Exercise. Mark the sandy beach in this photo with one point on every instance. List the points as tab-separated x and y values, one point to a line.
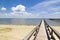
57	28
14	32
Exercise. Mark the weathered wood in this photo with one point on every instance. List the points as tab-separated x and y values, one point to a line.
34	31
51	31
45	31
42	32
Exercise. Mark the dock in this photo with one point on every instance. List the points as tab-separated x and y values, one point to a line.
43	31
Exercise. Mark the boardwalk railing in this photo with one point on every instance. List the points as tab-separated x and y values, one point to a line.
51	32
34	33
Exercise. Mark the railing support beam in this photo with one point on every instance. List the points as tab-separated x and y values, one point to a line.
51	31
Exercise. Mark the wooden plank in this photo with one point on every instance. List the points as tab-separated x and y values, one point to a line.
42	32
35	30
53	32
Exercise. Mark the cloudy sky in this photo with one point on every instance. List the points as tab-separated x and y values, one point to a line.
29	8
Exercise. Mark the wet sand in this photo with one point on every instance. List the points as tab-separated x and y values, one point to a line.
14	32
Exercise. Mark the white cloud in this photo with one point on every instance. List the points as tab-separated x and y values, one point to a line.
18	8
41	10
47	9
3	9
45	4
18	12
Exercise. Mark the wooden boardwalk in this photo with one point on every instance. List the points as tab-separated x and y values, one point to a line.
42	32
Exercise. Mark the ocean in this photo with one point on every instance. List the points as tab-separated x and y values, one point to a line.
28	21
54	22
20	21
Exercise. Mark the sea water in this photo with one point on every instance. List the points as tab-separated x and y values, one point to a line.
20	21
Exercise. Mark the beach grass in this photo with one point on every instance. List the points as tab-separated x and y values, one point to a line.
14	32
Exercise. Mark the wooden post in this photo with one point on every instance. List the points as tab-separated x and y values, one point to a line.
36	32
52	37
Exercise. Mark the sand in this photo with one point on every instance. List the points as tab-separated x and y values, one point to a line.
14	32
57	28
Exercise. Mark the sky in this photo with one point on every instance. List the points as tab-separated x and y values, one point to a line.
29	8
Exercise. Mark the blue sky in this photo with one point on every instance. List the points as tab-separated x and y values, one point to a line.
29	8
26	3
